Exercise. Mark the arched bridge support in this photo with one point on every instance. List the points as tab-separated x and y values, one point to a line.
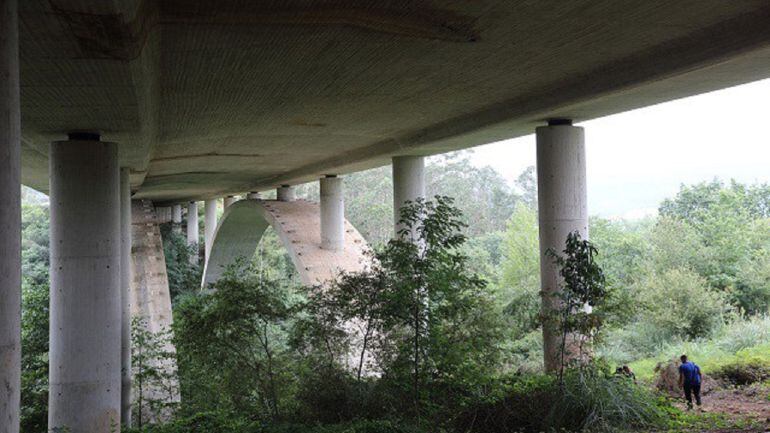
297	224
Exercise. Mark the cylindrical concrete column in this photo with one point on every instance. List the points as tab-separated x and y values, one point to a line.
125	296
85	324
192	229
253	195
230	199
10	219
408	183
286	193
562	209
209	225
176	218
332	214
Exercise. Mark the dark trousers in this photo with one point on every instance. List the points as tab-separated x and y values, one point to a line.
689	390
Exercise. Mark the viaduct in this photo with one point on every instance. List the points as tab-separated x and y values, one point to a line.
176	102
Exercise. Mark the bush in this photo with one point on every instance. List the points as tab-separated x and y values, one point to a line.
590	399
681	303
743	373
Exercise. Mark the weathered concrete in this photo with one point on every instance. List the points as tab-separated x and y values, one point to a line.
296	224
176	218
204	116
192	228
562	209
10	220
332	218
230	199
85	326
209	225
286	193
125	296
408	184
253	196
150	296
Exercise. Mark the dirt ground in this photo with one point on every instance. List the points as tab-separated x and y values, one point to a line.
749	406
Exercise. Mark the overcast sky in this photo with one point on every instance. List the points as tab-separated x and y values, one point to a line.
636	159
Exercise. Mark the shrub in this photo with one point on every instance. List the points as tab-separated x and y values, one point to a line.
589	399
680	302
739	373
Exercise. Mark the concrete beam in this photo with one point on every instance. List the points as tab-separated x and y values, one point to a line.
408	184
125	296
253	196
562	209
85	326
332	214
209	225
10	219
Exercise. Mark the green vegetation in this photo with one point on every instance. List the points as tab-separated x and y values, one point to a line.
447	336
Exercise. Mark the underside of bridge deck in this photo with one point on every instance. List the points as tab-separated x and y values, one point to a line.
214	97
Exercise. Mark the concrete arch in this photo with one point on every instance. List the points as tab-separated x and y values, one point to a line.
298	226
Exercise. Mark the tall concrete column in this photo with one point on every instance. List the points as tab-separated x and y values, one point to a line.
85	306
286	193
562	209
408	183
176	218
209	225
125	296
192	229
332	214
10	219
230	199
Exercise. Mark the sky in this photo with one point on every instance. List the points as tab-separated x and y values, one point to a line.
637	158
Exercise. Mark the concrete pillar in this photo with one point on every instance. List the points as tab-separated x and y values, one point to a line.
192	229
125	296
10	219
286	193
176	218
209	225
562	209
85	326
253	195
408	183
332	214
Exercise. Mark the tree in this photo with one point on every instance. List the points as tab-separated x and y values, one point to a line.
232	345
433	322
581	297
520	288
154	380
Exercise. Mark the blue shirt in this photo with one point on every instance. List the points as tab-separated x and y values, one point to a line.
691	373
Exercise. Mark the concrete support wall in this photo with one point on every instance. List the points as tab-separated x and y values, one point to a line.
10	219
286	193
176	218
408	183
125	287
562	209
332	214
230	199
192	228
151	299
209	225
85	326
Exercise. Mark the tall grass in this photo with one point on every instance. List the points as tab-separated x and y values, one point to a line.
744	341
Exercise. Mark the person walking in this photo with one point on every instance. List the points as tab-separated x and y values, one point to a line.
690	379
